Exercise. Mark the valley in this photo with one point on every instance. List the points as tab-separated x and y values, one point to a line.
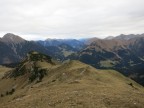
71	53
58	74
123	53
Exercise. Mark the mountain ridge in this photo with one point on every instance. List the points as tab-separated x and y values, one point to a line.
124	55
67	84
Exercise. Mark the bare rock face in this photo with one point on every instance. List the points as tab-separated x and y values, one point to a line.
11	38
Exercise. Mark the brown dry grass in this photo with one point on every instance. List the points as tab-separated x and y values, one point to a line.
76	85
3	69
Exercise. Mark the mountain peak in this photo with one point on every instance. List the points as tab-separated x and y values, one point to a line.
32	66
36	56
109	37
12	38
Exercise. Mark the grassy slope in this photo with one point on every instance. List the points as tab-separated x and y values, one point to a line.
77	85
3	70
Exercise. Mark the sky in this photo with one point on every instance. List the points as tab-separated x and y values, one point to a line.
41	19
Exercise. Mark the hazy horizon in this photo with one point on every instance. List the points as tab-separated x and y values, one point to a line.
39	37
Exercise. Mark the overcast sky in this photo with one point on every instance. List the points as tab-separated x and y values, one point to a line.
41	19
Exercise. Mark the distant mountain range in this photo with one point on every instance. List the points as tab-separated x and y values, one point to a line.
125	37
126	56
13	48
124	53
56	42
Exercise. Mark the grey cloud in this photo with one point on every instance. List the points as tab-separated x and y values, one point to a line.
35	19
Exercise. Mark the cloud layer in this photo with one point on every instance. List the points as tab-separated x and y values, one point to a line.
40	19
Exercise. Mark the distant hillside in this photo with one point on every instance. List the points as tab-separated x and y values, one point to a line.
124	53
125	56
56	42
125	37
62	51
39	81
13	48
88	41
61	48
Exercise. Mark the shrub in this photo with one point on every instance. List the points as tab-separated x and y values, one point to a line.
2	95
7	93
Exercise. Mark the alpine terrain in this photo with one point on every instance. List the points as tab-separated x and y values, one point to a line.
42	82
